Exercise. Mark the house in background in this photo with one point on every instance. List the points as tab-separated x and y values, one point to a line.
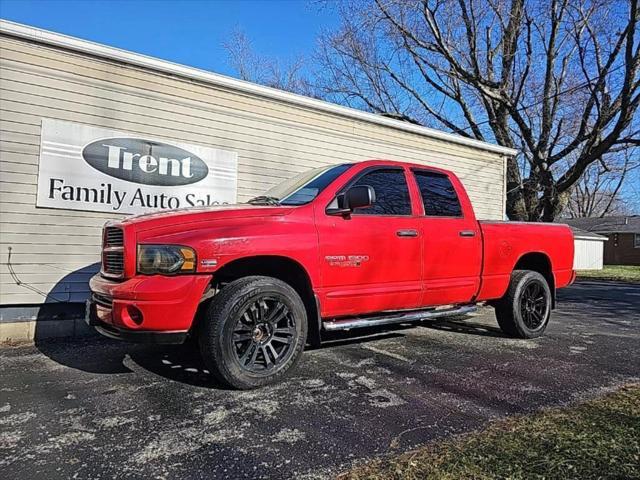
623	233
588	250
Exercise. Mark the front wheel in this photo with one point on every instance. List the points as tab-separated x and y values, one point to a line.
525	309
254	332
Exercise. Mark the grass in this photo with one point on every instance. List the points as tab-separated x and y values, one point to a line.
597	439
624	273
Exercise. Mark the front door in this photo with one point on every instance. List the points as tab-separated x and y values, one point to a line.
371	260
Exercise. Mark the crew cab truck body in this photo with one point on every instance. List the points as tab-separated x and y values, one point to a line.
341	247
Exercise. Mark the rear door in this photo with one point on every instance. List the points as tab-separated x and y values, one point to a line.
371	260
452	246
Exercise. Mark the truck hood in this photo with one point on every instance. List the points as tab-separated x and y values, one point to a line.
190	215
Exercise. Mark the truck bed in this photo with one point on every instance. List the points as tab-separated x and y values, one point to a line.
506	243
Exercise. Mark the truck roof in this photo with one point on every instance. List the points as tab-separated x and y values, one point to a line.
382	162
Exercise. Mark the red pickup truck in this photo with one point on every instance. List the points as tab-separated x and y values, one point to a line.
336	248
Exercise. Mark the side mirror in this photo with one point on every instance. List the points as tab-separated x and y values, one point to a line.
361	196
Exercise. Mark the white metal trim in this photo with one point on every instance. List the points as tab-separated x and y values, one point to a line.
595	239
96	49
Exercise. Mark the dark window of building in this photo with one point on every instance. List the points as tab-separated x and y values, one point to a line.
438	195
636	240
392	193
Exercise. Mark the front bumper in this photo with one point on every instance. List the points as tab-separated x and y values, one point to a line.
135	336
146	309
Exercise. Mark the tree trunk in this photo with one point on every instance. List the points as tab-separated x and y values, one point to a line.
516	208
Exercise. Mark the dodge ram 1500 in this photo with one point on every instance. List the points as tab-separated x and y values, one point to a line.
335	248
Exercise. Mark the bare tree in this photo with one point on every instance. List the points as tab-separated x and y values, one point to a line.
599	193
557	79
264	70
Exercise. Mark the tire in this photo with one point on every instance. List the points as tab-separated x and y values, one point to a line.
525	309
253	332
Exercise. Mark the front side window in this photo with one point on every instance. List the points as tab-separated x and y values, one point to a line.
636	240
438	195
392	193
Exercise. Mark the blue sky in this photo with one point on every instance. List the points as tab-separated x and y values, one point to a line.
192	32
187	32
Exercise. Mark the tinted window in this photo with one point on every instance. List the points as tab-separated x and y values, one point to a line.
392	193
438	195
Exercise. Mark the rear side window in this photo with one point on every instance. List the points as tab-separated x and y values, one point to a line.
438	195
392	193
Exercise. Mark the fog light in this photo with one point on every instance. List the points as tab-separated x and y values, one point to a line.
132	316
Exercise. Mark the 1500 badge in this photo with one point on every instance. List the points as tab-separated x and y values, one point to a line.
346	260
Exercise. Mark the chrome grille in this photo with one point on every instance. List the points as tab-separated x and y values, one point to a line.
113	237
102	300
113	263
113	252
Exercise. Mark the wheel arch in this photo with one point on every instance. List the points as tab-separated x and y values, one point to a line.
541	263
283	268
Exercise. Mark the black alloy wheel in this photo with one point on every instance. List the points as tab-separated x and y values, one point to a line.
254	332
525	309
263	335
533	305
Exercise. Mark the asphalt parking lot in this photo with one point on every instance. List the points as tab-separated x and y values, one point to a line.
100	409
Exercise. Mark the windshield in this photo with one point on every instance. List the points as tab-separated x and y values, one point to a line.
302	188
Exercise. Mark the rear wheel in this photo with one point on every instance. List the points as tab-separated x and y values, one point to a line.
525	309
254	332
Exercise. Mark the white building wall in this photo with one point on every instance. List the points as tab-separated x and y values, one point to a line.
49	255
588	254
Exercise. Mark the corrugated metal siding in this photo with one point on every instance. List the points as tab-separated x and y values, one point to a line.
588	254
52	250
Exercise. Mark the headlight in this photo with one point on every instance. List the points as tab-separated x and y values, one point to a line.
165	259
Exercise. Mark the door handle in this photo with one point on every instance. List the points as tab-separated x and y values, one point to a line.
407	233
467	233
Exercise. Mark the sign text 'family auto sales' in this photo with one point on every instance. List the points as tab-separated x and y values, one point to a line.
96	169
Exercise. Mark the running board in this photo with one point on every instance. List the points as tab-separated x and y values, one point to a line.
409	316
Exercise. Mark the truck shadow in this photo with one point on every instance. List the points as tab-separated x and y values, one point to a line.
179	363
183	363
62	315
59	325
61	312
62	336
94	354
464	327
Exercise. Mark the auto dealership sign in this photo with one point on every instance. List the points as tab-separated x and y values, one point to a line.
90	168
